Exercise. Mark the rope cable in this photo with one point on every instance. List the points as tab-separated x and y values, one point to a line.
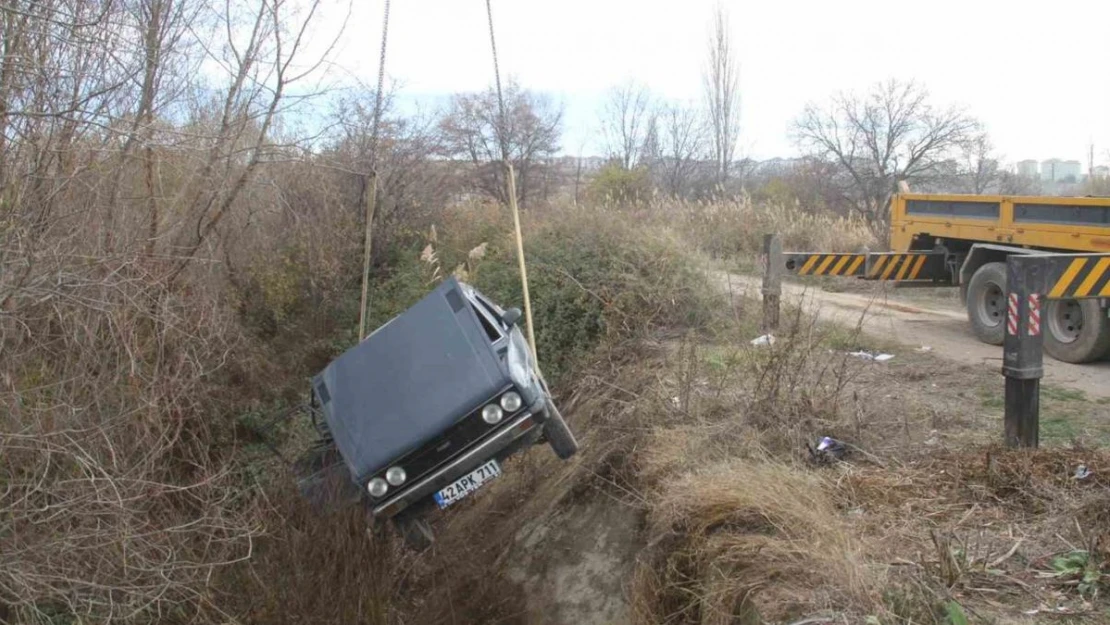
378	93
371	187
502	129
510	180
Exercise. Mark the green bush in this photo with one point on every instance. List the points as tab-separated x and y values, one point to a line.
593	276
614	184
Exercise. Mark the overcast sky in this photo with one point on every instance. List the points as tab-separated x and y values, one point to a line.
1036	73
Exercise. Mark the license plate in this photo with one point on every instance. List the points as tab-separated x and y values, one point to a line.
467	484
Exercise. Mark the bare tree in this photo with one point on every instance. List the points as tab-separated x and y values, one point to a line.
163	26
625	118
981	172
1010	183
64	67
412	184
651	149
722	94
890	135
471	130
261	66
684	138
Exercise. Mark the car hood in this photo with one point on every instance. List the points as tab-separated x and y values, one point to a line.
408	381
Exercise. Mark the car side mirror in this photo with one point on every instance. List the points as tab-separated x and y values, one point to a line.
511	317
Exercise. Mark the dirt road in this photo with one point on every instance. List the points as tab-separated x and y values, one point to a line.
943	328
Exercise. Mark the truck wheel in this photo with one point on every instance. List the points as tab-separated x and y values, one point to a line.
415	531
1075	330
558	434
986	303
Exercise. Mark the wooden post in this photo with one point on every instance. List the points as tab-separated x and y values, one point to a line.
772	281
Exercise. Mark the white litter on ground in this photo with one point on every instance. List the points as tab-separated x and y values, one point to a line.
766	339
870	356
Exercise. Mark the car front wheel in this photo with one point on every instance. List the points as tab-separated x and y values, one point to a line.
415	531
558	435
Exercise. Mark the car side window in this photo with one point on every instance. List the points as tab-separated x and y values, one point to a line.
492	309
487	325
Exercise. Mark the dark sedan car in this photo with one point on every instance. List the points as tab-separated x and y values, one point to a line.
425	409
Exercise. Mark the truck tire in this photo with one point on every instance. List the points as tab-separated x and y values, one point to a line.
1075	330
986	303
558	434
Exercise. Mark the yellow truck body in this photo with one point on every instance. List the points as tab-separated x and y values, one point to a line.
964	241
1076	224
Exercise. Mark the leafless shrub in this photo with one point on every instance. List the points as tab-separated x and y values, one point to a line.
116	505
120	492
800	376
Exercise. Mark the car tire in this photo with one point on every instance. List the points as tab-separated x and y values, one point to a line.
558	435
415	531
986	303
1075	330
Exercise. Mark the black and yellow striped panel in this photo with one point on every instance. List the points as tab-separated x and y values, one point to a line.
905	267
828	264
1087	276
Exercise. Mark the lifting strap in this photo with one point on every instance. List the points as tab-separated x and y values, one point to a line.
510	178
371	190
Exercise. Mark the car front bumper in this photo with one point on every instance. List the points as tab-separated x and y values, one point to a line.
495	446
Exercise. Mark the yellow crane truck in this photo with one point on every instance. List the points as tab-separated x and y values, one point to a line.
964	240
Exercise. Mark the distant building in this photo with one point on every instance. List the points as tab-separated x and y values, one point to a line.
1028	168
1056	170
1073	171
1101	171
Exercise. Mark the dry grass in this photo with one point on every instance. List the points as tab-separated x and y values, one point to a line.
313	568
741	530
749	540
921	524
986	526
735	227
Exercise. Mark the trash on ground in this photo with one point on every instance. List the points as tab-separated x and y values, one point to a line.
866	355
924	348
827	450
1082	472
766	339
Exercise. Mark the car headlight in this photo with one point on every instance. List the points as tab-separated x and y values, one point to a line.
377	487
492	414
395	476
511	401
